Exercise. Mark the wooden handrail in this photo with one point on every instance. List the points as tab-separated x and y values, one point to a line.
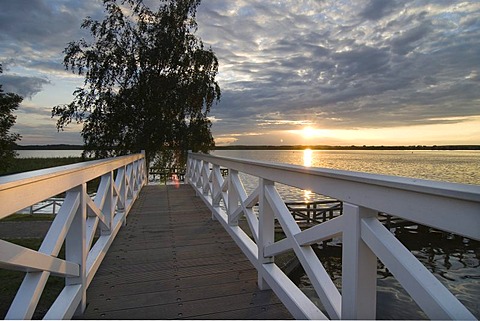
364	238
75	224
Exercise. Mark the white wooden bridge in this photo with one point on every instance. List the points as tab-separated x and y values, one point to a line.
180	255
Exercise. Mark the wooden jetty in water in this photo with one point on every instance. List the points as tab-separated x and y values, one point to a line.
172	261
179	251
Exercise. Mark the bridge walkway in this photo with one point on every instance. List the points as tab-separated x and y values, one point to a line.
172	261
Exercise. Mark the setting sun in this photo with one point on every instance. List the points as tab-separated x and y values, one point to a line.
308	132
311	132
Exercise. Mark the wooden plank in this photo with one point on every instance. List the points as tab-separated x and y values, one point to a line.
189	309
173	261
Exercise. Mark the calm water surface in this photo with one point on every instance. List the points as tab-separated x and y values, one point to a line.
48	153
451	166
454	260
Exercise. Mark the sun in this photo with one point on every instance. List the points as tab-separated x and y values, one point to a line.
308	132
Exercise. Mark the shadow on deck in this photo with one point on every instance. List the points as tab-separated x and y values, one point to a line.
172	261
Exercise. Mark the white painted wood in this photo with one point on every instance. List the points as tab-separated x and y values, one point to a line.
76	246
108	208
120	187
277	248
317	233
129	181
318	276
217	185
359	268
95	212
206	178
28	295
233	197
429	293
112	203
425	202
245	207
21	190
55	237
252	221
64	306
266	232
100	249
16	257
297	303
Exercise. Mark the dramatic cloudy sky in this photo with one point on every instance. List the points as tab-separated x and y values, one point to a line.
291	72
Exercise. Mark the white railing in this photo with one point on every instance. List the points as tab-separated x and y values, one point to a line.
75	224
445	206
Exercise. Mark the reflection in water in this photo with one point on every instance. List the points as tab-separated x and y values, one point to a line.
307	195
453	259
307	157
307	161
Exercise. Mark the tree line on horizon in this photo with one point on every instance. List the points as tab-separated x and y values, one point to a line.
280	147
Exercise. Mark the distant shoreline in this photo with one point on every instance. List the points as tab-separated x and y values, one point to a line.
282	147
49	147
351	147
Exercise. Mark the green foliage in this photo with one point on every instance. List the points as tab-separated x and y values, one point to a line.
34	163
29	218
149	81
11	281
8	104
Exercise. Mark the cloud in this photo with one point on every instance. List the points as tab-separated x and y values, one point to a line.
44	133
336	64
377	9
35	32
284	64
26	87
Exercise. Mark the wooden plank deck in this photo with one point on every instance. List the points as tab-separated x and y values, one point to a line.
172	261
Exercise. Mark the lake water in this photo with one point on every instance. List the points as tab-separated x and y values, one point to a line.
48	153
454	260
451	166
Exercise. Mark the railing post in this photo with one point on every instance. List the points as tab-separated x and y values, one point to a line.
146	168
266	232
76	246
205	178
216	187
120	182
103	200
359	267
189	167
233	198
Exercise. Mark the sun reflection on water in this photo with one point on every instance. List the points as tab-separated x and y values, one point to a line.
307	157
307	195
307	161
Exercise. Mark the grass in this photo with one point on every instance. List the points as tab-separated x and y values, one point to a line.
11	281
29	217
21	165
35	163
